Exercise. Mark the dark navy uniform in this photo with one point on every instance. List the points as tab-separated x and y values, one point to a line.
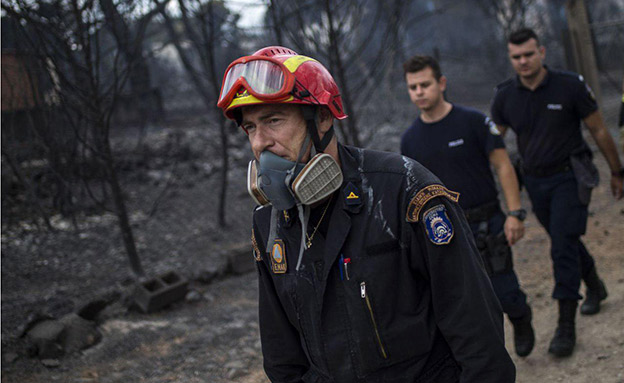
456	149
391	290
547	122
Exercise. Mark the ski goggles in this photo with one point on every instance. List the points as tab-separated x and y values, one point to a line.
265	78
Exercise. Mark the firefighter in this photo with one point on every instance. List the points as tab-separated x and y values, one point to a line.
367	269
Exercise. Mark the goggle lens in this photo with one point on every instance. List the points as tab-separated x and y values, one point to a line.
263	77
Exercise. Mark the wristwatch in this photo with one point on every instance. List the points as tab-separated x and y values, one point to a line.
619	173
520	214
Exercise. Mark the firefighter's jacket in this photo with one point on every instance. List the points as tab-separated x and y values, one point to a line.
413	303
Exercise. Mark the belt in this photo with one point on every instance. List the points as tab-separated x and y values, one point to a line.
548	171
482	212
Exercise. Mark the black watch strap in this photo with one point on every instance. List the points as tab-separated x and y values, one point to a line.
520	214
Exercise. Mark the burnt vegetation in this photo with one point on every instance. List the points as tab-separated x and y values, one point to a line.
116	162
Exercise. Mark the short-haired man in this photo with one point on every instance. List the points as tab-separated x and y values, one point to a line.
544	107
366	268
458	144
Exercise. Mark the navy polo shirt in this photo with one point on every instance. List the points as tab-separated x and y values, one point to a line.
456	149
546	120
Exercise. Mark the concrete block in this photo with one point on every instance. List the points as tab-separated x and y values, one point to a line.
156	293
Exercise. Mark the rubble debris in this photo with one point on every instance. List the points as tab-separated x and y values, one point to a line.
51	339
44	338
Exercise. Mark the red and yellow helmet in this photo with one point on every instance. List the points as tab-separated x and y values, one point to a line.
278	75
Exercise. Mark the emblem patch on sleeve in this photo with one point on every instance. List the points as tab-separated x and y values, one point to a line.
438	225
278	257
423	196
492	126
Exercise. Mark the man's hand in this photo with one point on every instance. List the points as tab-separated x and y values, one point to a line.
514	229
616	187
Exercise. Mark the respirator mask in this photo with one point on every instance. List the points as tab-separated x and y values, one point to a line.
284	184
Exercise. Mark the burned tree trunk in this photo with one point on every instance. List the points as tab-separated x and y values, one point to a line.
120	209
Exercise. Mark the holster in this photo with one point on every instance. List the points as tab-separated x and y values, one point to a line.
494	250
585	172
498	259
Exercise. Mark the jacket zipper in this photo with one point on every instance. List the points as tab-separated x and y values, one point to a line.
370	310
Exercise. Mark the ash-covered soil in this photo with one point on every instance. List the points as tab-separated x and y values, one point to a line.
212	337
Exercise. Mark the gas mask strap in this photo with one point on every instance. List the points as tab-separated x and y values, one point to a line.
303	148
272	229
304	216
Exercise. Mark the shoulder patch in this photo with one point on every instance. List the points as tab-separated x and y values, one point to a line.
590	92
492	126
423	196
438	225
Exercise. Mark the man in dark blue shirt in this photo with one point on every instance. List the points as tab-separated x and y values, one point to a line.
458	144
544	108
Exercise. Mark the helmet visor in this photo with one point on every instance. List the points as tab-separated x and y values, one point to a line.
261	78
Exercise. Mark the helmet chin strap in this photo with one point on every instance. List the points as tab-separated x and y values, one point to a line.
309	115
